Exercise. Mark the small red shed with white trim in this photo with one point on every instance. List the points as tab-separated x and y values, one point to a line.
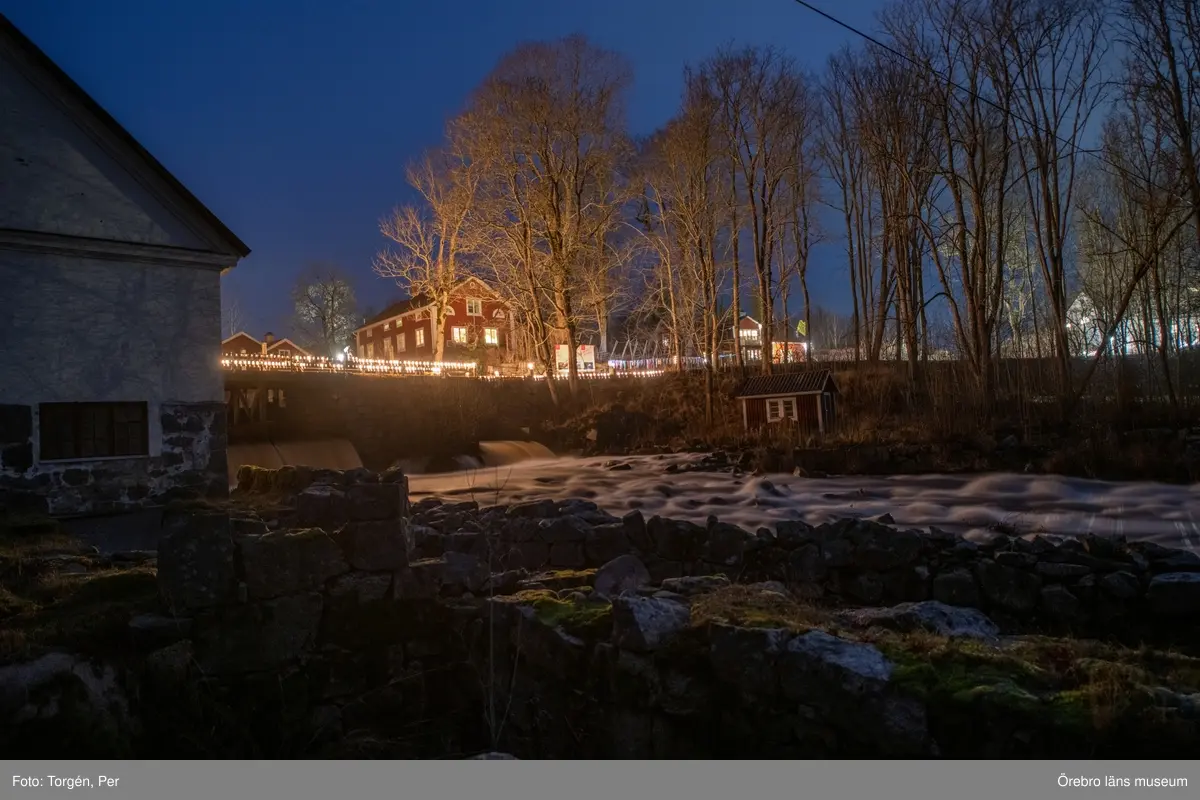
805	399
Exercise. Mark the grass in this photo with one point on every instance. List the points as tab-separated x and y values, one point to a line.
754	608
42	606
586	618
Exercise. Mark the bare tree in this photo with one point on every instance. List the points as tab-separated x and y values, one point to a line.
325	308
760	90
432	239
548	126
233	321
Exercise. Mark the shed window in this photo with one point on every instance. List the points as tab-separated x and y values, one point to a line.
93	430
781	408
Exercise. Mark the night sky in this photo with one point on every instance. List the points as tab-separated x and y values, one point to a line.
293	120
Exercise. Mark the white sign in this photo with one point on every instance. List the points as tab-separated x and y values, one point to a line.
585	357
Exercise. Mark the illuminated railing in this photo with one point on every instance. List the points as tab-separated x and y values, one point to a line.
348	366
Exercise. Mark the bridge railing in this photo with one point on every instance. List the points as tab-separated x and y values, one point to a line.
347	366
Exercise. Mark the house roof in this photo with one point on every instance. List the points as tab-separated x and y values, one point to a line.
807	382
25	47
281	342
239	334
421	301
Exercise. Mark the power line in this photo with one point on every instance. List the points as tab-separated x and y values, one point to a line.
1008	111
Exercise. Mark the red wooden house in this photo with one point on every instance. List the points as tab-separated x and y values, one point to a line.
805	399
243	344
477	328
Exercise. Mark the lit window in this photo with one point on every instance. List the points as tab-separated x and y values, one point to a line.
421	337
370	333
459	335
474	307
387	325
491	336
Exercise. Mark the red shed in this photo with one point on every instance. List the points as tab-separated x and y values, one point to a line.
807	399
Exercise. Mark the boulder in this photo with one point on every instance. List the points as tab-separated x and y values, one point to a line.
745	657
196	562
644	624
420	580
258	637
956	588
322	506
538	509
1121	585
635	531
675	540
1059	604
605	543
726	543
465	571
558	530
816	667
374	546
1175	594
1008	587
623	574
280	563
953	622
373	501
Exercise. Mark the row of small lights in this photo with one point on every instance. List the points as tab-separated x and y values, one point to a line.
394	367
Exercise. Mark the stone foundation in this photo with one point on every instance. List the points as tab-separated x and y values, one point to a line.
191	463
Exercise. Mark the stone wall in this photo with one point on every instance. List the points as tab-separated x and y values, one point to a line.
347	623
187	462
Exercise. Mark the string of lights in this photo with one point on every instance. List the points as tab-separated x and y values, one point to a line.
359	366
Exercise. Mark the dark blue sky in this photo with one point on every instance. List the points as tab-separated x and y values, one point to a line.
293	120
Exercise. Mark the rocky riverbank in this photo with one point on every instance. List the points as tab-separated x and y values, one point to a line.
324	615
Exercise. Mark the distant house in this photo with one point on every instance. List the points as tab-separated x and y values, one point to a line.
1138	332
477	328
806	399
99	245
786	346
242	344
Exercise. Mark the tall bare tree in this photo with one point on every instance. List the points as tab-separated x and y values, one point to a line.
432	239
325	308
548	124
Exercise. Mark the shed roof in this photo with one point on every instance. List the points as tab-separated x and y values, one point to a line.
807	382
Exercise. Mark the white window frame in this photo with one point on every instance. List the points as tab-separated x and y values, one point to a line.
491	336
458	334
478	304
421	336
781	408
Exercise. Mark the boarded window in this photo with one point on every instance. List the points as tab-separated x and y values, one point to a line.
93	430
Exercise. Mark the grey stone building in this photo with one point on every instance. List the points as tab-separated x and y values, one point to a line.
111	394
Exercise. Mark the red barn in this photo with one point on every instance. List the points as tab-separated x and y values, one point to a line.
805	399
243	344
477	328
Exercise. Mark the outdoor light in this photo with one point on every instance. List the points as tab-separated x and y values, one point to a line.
530	365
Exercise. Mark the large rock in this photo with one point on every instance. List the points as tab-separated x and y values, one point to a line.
606	542
561	530
1175	594
322	506
675	540
817	664
644	624
1009	588
726	543
282	563
623	574
849	684
745	657
258	637
374	501
635	531
956	587
420	580
196	562
953	622
374	546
